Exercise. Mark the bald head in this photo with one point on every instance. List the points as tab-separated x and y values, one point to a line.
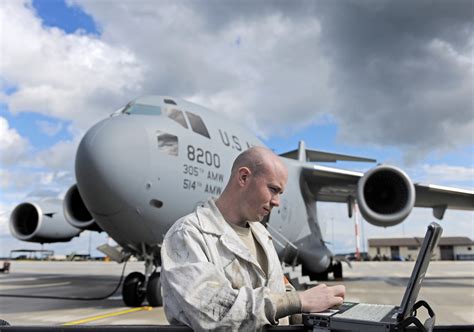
257	180
257	159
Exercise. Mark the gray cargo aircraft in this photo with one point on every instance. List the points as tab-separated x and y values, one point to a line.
157	158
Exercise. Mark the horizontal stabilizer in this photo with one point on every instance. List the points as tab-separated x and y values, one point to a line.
321	156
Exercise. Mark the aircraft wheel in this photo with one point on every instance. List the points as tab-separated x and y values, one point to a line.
337	270
153	290
132	293
322	276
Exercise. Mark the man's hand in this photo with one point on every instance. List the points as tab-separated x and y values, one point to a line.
322	297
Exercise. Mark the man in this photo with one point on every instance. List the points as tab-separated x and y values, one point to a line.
219	267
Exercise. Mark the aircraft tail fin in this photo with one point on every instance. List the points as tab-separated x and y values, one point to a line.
304	155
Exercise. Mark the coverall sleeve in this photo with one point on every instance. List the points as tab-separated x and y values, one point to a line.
197	292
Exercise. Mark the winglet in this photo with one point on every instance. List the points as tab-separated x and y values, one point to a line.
302	154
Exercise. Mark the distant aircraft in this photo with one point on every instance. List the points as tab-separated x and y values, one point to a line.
157	158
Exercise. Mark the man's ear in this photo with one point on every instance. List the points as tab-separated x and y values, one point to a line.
244	173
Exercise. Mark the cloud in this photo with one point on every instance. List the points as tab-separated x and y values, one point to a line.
67	76
405	79
264	69
13	147
59	157
4	217
388	75
49	128
24	169
448	174
20	183
15	179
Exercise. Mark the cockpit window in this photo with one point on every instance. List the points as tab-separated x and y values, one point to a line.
167	143
197	124
177	116
142	109
169	101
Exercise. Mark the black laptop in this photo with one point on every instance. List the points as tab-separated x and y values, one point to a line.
379	317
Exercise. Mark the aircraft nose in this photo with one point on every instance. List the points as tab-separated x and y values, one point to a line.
111	160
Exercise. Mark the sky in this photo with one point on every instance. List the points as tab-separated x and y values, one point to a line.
389	80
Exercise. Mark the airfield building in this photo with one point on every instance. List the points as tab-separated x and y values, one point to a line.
406	248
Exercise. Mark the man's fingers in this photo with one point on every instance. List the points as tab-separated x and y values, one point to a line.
322	297
339	290
338	301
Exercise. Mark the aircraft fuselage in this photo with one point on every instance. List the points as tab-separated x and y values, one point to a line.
154	162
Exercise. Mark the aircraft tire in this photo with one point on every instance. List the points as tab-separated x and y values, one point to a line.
322	276
132	293
153	290
337	270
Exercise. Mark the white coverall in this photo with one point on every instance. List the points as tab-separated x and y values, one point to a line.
211	280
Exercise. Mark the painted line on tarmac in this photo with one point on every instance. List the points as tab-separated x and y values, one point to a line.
112	314
18	279
2	287
11	278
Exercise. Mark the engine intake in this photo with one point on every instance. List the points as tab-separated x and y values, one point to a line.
41	221
385	195
76	212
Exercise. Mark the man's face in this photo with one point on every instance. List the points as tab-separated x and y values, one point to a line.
263	191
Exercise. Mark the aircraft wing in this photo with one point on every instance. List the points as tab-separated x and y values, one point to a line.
328	184
440	198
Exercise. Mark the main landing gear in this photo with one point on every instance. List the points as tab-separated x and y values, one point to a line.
138	286
335	268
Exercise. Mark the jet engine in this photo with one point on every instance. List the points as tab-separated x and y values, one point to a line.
385	195
41	221
76	212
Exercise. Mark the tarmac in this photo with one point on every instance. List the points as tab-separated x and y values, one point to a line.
29	294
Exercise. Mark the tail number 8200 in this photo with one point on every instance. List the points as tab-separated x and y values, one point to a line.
203	157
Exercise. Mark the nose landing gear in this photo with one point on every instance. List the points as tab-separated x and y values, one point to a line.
138	286
132	290
153	290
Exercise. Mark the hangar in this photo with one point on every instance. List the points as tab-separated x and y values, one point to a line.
406	248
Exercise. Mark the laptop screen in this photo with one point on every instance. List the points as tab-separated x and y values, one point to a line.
421	265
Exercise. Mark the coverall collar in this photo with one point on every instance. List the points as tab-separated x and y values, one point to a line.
216	224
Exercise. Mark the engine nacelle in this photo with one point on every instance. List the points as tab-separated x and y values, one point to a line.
41	221
76	212
385	195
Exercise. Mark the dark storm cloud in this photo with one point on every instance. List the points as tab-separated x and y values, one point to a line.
396	73
404	71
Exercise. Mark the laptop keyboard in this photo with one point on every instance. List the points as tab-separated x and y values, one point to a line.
370	312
